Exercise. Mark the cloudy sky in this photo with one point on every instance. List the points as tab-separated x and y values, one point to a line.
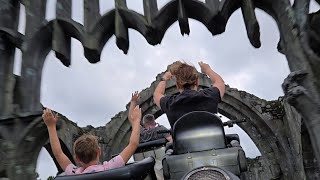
90	94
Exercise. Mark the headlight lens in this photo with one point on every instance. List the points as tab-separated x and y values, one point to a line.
207	173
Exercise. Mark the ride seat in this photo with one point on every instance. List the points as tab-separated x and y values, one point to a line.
198	131
138	170
155	148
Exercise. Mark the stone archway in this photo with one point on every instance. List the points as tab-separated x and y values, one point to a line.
277	157
21	147
22	144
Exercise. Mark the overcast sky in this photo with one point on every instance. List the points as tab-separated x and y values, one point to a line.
90	94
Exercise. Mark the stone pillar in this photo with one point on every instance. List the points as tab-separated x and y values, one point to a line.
9	19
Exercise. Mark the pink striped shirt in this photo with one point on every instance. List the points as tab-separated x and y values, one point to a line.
115	162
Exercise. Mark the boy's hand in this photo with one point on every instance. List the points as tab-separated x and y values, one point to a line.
204	67
135	96
49	119
135	116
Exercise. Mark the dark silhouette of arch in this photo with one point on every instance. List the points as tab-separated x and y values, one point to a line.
61	30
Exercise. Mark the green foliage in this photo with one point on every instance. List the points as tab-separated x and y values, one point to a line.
50	178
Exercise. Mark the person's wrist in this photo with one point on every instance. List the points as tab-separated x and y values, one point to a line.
163	79
135	125
51	126
206	71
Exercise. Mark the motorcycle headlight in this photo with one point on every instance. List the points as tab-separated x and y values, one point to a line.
207	173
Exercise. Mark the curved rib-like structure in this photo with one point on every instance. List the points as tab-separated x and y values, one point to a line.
56	35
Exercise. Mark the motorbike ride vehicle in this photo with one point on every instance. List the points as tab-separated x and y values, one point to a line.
200	149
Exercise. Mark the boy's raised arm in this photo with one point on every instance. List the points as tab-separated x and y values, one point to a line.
51	120
135	134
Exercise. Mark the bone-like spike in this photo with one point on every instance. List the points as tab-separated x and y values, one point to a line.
250	20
